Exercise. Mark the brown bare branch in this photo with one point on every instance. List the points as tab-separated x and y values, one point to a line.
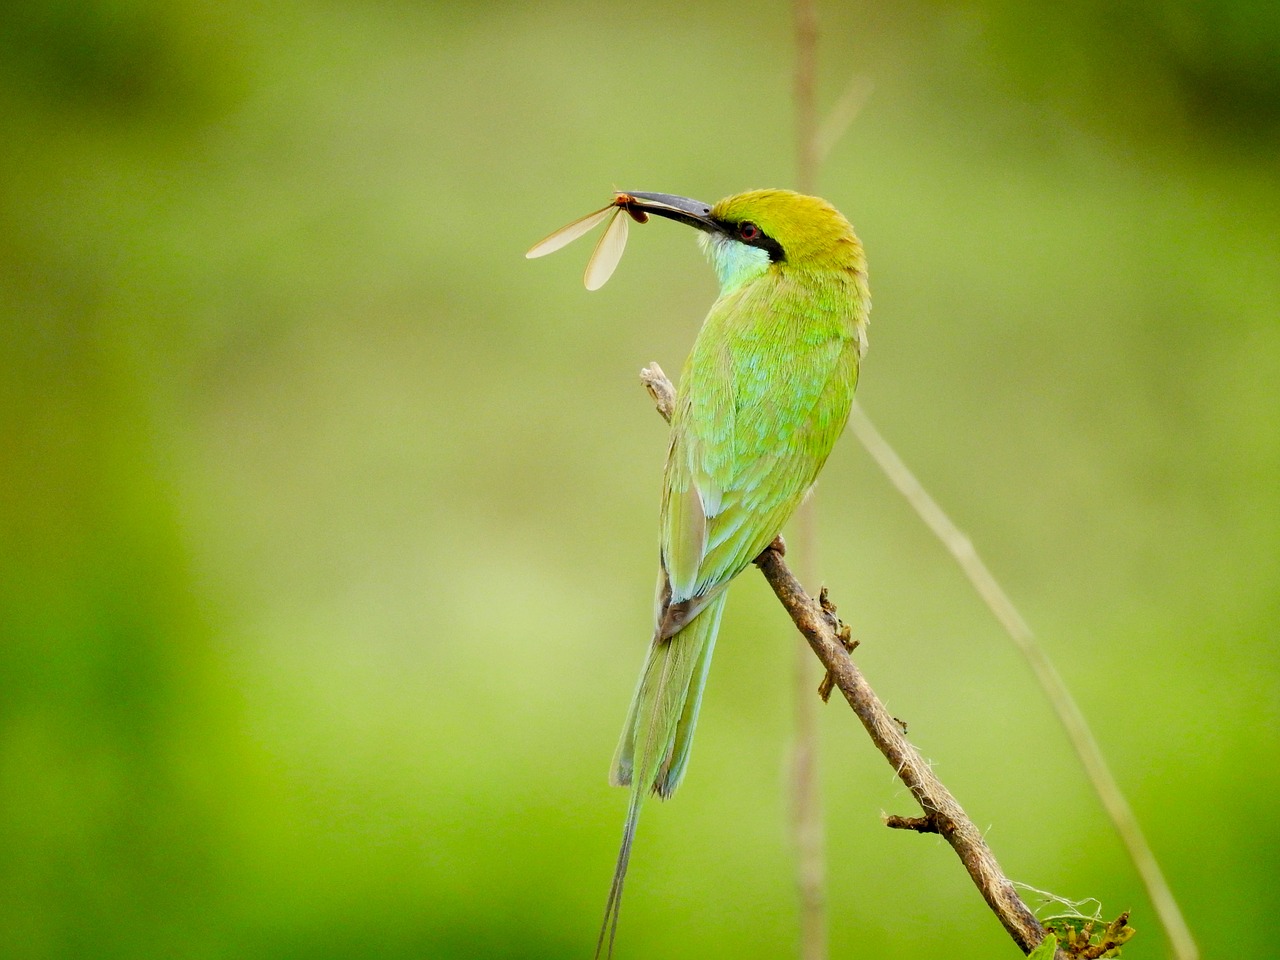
935	800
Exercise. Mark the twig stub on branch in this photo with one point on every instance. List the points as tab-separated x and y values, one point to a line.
918	824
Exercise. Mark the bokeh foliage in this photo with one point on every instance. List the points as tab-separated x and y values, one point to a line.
328	521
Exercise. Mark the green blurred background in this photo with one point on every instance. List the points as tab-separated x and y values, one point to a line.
328	521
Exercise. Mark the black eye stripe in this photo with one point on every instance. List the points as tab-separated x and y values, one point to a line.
761	239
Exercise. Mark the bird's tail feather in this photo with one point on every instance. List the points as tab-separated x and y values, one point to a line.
609	928
654	749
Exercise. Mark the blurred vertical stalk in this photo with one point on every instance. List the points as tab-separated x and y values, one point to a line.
806	797
808	833
806	26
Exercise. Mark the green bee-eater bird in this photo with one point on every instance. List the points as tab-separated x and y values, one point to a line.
763	396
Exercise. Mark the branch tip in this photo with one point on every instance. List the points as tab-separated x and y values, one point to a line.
660	389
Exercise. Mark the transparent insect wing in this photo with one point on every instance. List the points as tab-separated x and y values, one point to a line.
608	251
570	232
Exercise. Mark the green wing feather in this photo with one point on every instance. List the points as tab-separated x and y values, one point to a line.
763	397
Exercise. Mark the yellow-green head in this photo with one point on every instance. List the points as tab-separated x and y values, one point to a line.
750	234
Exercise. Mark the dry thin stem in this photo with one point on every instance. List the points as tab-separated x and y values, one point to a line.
841	116
829	640
1055	689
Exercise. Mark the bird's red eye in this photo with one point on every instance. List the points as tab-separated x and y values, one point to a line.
748	231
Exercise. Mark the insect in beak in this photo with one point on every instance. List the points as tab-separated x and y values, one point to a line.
608	252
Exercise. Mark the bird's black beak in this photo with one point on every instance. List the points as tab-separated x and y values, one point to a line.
694	213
